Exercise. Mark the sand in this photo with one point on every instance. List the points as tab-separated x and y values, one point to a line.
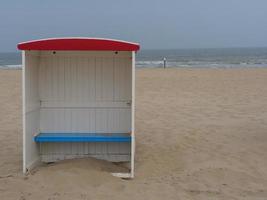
201	134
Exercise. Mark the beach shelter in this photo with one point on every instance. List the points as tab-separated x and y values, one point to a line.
78	100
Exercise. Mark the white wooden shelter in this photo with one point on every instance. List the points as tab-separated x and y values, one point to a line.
78	100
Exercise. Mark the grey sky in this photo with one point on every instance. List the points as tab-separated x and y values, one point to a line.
153	23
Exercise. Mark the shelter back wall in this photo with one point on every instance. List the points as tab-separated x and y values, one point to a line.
85	92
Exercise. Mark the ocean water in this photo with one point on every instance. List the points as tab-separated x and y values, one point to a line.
10	60
189	58
208	58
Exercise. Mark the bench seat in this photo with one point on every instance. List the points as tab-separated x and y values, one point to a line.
83	137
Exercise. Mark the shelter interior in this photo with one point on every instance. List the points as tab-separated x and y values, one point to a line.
82	94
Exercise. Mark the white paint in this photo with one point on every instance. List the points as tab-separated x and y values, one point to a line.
73	88
31	110
85	120
88	104
110	151
23	113
78	91
133	115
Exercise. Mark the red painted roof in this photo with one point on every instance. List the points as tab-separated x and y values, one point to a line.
79	44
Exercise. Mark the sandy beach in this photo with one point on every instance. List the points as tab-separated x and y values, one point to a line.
200	133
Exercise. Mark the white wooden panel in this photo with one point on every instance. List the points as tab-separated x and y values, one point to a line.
60	64
98	76
107	79
85	82
101	120
122	79
49	79
23	113
74	80
83	79
109	157
133	115
85	120
130	77
31	109
67	120
32	128
31	81
85	92
57	151
42	80
88	104
91	79
67	79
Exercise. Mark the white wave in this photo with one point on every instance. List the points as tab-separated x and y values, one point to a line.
10	66
202	64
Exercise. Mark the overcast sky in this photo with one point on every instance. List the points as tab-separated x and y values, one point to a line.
154	24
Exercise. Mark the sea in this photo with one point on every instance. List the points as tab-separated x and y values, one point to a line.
180	58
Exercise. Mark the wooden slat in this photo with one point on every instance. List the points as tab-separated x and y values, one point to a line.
64	104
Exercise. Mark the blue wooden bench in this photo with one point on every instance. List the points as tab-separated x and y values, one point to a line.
83	137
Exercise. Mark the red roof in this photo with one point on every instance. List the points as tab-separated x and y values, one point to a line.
79	44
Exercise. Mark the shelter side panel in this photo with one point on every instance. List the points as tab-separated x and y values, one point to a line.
32	109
